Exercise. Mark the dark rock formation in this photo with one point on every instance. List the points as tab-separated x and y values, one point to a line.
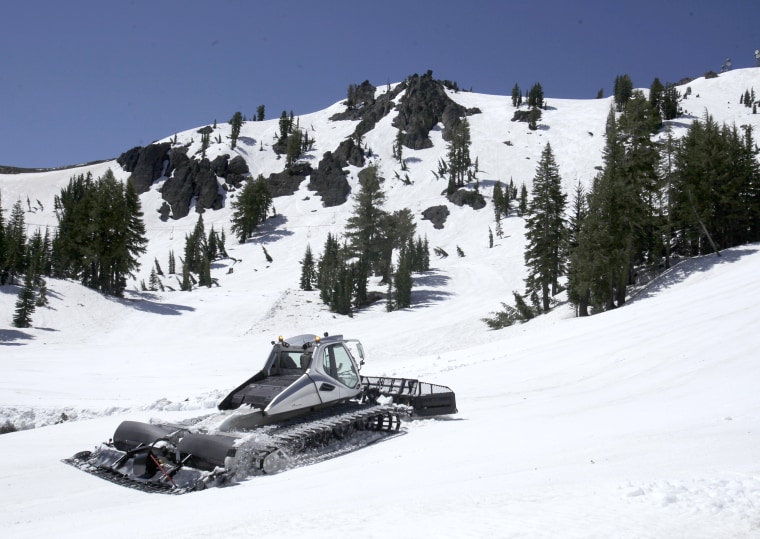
349	153
219	165
364	98
146	164
521	116
237	171
464	197
237	166
368	110
192	179
422	107
165	211
287	182
329	180
177	157
128	159
436	215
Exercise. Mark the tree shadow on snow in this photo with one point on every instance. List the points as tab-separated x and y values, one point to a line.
146	303
10	289
271	230
8	337
689	266
425	291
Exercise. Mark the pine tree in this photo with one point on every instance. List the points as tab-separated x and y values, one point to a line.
308	271
610	239
396	231
402	281
522	206
622	91
100	233
351	96
204	271
669	107
15	244
153	280
716	188
577	294
533	117
656	94
459	162
236	122
172	263
665	194
367	226
25	303
205	141
47	254
536	97
135	240
389	303
212	245
498	201
72	241
398	147
516	96
293	147
42	299
328	268
195	246
425	258
286	125
546	235
250	208
260	110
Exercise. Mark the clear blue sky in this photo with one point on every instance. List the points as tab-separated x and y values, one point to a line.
87	80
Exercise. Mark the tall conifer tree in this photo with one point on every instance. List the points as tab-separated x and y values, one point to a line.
546	234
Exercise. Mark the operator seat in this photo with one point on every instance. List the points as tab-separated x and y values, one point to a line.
305	362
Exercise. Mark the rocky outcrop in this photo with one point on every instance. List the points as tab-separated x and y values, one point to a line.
329	180
191	180
422	107
368	109
219	165
465	197
145	163
436	215
349	153
128	159
237	171
287	182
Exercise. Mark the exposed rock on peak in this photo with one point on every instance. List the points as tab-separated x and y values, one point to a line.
423	106
145	163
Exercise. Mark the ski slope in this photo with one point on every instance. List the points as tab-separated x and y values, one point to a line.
639	422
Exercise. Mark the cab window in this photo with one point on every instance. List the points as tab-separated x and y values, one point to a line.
337	364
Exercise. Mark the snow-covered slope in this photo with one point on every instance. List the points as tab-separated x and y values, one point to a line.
641	422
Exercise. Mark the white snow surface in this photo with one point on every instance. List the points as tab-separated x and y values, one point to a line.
640	422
